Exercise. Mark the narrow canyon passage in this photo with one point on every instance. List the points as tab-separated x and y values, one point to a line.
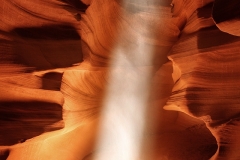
119	79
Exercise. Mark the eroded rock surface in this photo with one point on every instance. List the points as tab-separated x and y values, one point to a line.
60	58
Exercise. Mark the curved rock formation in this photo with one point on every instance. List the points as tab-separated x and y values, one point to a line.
206	86
115	79
227	16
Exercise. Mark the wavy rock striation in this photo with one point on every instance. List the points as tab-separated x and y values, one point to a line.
57	63
205	63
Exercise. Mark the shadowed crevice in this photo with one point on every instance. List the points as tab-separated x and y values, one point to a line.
215	38
4	154
52	81
226	10
20	121
47	47
51	32
77	4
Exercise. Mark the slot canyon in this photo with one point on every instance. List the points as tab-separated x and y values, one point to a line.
119	79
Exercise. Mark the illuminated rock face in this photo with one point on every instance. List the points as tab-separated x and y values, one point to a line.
63	63
205	63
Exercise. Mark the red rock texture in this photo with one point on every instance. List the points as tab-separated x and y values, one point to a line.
61	60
